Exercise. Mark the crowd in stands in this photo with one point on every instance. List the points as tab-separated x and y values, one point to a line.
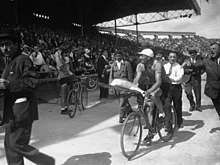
43	43
182	45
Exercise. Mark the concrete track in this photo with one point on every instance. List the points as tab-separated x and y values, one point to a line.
92	137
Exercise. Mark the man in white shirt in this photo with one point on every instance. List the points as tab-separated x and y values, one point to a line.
37	58
175	73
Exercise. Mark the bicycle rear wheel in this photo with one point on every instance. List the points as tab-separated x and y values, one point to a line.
131	134
167	126
72	103
83	98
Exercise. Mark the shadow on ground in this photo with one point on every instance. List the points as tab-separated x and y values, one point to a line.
180	137
206	107
184	113
102	158
213	130
196	123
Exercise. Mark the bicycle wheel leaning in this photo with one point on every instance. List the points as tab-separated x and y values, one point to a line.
83	98
72	103
166	127
131	135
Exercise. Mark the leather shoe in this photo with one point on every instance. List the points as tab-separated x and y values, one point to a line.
198	108
121	119
192	108
64	112
148	138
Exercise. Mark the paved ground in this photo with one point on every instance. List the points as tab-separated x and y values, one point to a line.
92	137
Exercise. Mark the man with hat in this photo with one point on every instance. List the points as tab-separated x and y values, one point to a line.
18	82
211	65
192	81
121	69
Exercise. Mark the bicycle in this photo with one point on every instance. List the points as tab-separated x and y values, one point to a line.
77	96
91	80
131	132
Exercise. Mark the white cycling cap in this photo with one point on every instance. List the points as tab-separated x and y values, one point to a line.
147	52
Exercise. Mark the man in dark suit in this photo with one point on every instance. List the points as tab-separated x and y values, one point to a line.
17	83
103	74
192	81
2	63
211	66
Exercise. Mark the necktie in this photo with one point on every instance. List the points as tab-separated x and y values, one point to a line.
170	70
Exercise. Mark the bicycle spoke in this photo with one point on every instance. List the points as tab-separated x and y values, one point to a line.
131	135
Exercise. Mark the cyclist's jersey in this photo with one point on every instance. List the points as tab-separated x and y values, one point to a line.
148	73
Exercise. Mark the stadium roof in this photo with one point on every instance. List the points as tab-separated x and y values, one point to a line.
96	11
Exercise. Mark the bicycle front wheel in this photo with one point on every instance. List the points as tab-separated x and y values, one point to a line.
72	103
83	98
131	135
166	127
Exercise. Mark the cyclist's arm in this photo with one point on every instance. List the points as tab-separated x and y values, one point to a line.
137	77
158	79
138	74
157	84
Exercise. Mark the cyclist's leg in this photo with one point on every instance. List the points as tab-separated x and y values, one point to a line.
149	113
140	98
122	103
157	100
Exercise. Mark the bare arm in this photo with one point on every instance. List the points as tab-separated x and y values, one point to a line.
157	84
138	74
137	77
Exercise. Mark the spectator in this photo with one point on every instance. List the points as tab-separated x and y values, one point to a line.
103	75
20	102
48	68
211	66
37	58
64	78
121	69
192	82
26	50
175	73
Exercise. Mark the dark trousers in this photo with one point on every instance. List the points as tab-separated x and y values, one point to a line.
175	95
194	86
103	91
17	138
216	103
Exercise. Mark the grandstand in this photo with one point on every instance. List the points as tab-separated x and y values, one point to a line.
80	15
89	12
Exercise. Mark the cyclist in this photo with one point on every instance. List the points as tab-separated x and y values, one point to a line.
151	77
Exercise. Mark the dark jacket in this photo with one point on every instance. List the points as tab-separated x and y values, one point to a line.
189	72
101	63
20	73
125	72
212	87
